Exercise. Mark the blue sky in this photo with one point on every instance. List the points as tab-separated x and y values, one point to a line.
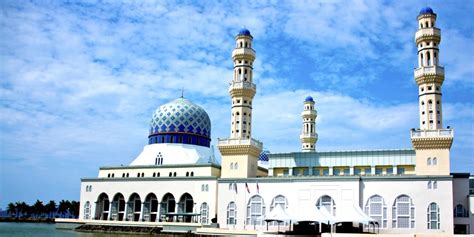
80	80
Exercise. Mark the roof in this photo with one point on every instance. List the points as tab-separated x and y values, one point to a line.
343	158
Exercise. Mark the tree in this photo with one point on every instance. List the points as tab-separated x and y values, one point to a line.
11	209
38	208
50	208
63	207
74	209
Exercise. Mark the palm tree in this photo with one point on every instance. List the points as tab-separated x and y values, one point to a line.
50	208
62	208
74	209
38	208
11	209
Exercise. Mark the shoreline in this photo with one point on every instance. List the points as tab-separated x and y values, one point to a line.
27	220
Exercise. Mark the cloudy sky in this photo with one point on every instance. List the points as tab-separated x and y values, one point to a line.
81	79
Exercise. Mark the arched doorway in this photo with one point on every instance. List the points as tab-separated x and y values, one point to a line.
186	207
134	207
150	208
117	211
168	205
102	207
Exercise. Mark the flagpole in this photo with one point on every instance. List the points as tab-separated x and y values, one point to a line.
245	208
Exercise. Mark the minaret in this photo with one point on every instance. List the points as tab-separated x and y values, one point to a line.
308	135
242	89
240	152
429	75
431	142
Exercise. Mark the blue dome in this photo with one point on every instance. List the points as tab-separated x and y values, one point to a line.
244	31
308	98
180	121
426	10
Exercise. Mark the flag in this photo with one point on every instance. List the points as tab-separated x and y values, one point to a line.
235	187
247	187
258	188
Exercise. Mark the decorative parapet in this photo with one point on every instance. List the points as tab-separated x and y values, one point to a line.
432	139
242	89
429	74
235	146
243	53
428	34
309	135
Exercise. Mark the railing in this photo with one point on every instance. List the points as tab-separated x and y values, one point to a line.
238	51
429	70
237	141
242	84
427	31
309	135
432	133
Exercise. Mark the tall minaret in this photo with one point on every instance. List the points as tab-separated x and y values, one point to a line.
242	89
308	135
240	152
429	75
431	142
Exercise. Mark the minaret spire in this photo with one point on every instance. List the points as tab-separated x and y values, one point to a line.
308	135
431	141
429	75
241	150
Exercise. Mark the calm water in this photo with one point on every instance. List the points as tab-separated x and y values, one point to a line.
46	230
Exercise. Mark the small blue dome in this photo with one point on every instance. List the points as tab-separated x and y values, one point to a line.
244	31
308	98
426	10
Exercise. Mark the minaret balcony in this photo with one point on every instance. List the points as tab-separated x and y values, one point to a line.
427	33
238	141
238	53
429	70
309	113
309	135
435	133
242	85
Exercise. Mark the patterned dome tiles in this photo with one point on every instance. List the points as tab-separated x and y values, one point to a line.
181	115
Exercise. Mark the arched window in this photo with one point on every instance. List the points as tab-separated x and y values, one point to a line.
460	211
430	186
426	24
187	174
171	174
202	188
328	203
154	174
174	174
231	166
231	214
279	200
433	216
376	209
255	210
143	175
428	57
435	161
192	173
87	211
204	213
207	187
241	44
236	166
403	212
428	161
421	57
435	184
158	175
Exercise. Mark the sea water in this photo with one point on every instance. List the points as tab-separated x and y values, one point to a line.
11	229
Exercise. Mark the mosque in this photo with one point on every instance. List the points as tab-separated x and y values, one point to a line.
177	179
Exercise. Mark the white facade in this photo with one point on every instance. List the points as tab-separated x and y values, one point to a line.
175	177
